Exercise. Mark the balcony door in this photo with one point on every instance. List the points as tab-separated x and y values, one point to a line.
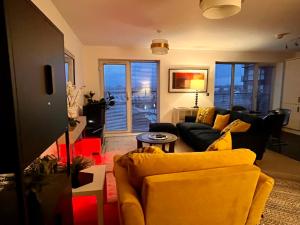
134	86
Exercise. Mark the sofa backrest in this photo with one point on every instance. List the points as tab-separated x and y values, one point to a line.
143	165
257	123
215	196
220	111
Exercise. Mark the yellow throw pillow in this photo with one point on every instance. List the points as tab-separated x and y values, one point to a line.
237	126
125	159
221	121
221	144
205	115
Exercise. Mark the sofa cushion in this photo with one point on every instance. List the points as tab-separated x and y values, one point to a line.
187	126
143	164
221	121
205	115
237	126
201	139
221	144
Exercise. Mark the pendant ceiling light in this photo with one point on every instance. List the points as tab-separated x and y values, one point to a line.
159	46
219	9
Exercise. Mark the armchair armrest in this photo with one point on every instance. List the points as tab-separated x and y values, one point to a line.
131	212
264	187
190	119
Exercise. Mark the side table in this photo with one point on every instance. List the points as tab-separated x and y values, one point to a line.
97	188
144	138
179	113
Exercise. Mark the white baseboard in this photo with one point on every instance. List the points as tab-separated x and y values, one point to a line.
297	132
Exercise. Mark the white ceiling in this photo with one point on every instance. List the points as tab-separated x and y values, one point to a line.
130	23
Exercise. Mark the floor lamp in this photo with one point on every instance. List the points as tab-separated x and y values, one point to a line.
197	85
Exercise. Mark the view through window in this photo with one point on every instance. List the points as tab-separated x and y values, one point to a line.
134	86
244	84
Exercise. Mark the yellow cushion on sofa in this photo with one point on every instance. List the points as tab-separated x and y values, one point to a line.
221	121
237	126
205	115
153	164
125	159
221	144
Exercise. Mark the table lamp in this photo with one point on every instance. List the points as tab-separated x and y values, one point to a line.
197	84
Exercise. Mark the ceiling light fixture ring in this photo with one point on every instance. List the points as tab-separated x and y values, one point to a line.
219	9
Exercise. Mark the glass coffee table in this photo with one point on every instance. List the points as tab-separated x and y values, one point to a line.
157	138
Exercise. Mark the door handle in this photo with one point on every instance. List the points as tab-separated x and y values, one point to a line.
49	82
298	109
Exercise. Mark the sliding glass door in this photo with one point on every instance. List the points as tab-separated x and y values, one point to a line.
244	84
143	94
115	84
134	86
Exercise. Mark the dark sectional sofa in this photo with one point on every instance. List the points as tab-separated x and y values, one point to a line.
199	136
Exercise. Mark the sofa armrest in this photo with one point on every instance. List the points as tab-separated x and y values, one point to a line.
131	212
254	141
264	187
190	119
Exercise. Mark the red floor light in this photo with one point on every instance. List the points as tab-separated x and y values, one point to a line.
87	147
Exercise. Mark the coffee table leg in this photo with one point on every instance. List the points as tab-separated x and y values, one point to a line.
139	144
171	147
163	147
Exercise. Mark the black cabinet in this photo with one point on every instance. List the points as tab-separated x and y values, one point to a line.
95	117
33	112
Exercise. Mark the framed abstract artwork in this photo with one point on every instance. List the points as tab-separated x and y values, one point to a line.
188	80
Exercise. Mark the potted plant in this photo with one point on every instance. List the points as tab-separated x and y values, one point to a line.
73	94
107	101
89	97
79	163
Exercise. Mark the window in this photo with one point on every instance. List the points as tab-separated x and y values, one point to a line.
69	67
244	84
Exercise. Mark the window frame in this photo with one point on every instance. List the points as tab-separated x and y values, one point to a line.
255	81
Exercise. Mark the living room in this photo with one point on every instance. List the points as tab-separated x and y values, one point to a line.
100	36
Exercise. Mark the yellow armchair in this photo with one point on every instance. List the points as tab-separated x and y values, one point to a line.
217	190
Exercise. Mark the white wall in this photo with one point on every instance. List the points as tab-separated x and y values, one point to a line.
72	43
277	85
175	58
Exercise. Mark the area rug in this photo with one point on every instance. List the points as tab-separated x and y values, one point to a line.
283	206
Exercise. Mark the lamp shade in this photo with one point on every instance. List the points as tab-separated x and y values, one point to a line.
160	46
219	9
197	84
